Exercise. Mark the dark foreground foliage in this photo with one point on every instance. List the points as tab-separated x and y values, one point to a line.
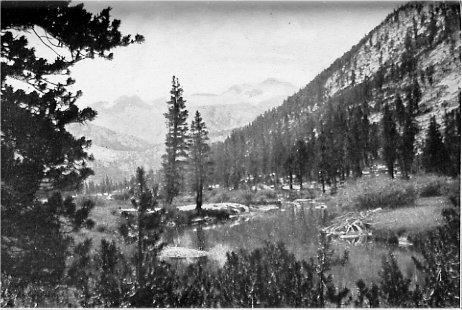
267	277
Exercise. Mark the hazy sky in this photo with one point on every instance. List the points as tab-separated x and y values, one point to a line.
213	45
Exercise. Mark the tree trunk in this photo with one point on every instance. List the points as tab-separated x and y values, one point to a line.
140	250
290	180
391	171
301	180
199	198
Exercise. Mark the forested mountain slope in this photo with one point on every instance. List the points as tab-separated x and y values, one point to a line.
410	64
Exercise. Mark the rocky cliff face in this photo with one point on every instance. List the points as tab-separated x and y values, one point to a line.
430	32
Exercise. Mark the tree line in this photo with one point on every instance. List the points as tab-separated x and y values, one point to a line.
317	137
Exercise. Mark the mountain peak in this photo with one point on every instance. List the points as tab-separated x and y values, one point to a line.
271	81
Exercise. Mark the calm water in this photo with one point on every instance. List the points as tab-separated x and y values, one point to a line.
298	229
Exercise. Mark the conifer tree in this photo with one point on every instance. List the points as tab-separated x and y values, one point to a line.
435	156
407	141
409	131
324	157
175	142
36	147
452	140
301	159
400	110
389	140
146	230
199	157
355	143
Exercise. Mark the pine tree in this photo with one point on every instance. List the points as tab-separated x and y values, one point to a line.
410	129
278	154
389	140
146	230
400	110
452	140
325	162
199	157
355	142
301	159
36	147
435	156
175	142
407	149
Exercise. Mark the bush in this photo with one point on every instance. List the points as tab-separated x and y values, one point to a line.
101	228
246	198
378	192
452	191
266	195
394	287
217	196
89	224
441	262
430	185
124	196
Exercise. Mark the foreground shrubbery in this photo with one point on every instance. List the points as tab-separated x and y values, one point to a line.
266	277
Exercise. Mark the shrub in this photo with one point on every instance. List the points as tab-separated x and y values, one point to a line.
378	192
246	198
441	262
430	185
266	194
101	228
124	196
217	196
394	287
89	224
452	191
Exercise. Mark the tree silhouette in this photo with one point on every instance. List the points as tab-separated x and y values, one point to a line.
176	142
389	141
38	154
198	157
435	156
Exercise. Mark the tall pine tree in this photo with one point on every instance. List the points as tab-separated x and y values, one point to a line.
199	160
389	140
176	142
435	156
452	140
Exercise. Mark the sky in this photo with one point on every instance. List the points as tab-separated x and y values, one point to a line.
211	46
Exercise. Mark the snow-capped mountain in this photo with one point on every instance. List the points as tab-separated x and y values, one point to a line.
265	95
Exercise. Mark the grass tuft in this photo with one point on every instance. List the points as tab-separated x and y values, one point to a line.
375	192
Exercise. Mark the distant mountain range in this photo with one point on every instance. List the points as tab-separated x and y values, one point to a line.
130	132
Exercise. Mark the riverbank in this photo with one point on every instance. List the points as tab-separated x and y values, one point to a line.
399	225
402	209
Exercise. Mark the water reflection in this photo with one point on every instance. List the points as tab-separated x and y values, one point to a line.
298	228
201	240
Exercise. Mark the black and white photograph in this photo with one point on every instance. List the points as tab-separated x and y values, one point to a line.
230	154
